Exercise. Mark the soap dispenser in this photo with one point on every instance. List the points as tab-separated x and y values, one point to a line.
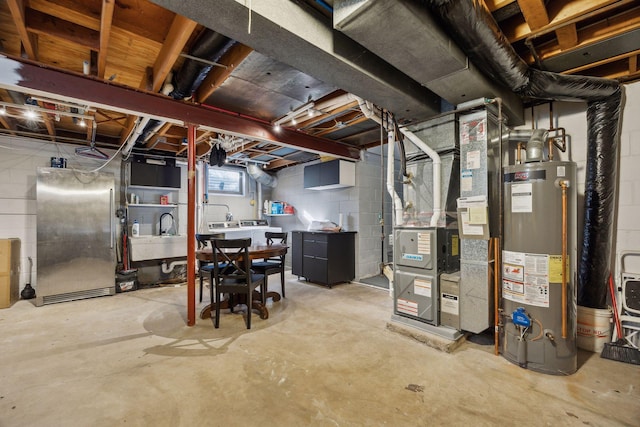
135	228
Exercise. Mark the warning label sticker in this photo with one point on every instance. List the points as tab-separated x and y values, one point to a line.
526	278
449	304
424	243
407	307
422	287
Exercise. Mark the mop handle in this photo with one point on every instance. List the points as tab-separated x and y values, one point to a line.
615	307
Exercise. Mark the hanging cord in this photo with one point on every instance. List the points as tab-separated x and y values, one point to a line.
249	26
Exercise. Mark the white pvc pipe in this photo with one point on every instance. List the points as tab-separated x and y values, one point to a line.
137	131
437	203
169	268
395	199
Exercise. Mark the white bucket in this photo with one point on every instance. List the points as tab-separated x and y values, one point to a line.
594	328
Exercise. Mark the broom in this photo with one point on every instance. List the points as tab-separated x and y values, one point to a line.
619	350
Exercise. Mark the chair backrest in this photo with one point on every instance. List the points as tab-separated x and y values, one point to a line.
202	239
231	259
273	237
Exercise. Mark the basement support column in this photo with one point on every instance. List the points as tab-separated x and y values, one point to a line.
191	225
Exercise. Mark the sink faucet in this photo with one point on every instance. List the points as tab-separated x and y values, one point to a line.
160	225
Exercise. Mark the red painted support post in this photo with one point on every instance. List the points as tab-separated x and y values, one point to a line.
191	225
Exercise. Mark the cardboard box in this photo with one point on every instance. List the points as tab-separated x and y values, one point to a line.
9	272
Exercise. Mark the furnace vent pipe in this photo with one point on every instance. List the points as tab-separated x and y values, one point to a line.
437	203
481	39
395	199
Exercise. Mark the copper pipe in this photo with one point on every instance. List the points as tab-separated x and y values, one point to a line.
550	141
563	185
191	225
496	295
519	148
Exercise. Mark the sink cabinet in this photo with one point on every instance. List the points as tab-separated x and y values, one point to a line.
323	257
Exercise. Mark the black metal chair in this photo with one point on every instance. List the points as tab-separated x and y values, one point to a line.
272	265
204	267
232	274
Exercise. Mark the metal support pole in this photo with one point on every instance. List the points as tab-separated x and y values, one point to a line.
191	225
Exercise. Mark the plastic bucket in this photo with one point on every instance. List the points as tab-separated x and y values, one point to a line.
594	328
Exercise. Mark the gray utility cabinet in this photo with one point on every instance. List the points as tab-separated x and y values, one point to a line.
323	257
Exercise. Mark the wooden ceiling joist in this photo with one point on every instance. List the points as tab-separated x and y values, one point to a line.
177	37
28	40
106	18
40	23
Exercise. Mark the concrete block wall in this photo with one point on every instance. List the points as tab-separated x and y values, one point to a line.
19	160
359	206
371	196
628	223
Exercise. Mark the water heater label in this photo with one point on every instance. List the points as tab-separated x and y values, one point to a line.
522	197
526	278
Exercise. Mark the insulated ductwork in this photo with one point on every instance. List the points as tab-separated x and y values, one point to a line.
481	39
414	43
261	176
209	47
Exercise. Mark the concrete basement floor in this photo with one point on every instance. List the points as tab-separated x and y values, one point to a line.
323	358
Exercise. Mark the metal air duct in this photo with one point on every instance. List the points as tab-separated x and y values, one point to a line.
261	176
414	43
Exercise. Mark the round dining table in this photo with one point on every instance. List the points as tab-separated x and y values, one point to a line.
255	252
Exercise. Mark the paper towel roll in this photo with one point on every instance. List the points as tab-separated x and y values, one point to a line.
340	220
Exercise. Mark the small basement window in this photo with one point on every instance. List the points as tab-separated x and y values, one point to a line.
225	181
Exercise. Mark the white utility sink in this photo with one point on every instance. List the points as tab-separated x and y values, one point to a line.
158	247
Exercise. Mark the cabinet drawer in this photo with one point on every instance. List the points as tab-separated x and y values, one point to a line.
317	237
315	248
315	269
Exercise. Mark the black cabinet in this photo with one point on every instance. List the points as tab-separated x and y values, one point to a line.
329	175
151	175
323	257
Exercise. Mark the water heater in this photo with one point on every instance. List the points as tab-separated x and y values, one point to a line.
539	297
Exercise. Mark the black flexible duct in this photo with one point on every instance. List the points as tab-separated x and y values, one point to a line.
209	46
482	40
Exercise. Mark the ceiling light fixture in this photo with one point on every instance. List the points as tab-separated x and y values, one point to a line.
291	115
3	111
30	114
82	123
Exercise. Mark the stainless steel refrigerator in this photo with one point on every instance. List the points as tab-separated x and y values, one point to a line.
75	232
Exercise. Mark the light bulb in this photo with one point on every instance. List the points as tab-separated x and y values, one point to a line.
82	123
277	128
30	114
3	111
294	122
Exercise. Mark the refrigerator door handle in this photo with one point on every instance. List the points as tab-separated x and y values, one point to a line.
111	204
